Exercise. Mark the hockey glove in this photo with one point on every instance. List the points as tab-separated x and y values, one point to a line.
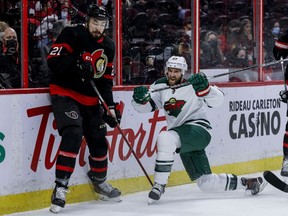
141	95
283	96
200	84
112	121
279	52
84	63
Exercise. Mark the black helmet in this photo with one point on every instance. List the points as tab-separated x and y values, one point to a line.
98	12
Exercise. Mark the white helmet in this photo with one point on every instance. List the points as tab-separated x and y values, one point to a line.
178	62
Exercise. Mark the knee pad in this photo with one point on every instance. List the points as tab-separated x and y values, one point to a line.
217	182
71	139
168	141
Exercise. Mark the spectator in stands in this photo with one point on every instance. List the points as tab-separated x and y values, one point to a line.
271	34
246	38
64	13
3	26
187	25
42	31
183	49
237	58
43	9
232	37
212	55
10	75
151	72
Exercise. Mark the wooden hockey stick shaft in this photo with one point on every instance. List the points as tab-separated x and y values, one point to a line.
121	131
222	74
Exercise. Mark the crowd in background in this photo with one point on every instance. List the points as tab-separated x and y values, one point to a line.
152	31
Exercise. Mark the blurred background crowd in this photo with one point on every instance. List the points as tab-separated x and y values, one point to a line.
152	31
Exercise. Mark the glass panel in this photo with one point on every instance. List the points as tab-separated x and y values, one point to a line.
152	32
46	20
226	39
275	23
10	43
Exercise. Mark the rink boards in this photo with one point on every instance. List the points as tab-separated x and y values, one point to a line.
246	137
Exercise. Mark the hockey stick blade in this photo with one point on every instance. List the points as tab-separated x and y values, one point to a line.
275	181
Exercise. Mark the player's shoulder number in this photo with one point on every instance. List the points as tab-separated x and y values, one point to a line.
56	50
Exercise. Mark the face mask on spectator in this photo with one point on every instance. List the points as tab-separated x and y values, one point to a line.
188	33
213	43
11	46
276	30
64	14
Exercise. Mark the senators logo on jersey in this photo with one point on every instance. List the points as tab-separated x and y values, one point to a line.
99	61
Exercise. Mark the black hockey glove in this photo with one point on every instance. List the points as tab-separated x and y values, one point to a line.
279	52
84	63
283	96
200	84
112	121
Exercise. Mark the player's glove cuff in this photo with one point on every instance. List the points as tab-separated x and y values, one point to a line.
115	119
203	92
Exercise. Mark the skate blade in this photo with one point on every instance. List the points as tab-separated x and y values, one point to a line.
151	201
55	209
107	199
262	186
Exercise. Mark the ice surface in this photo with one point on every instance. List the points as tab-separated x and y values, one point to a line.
185	200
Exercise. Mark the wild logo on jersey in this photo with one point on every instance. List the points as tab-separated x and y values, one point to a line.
99	60
173	107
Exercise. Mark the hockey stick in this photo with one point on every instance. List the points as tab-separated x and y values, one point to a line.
275	181
282	67
285	86
223	74
120	131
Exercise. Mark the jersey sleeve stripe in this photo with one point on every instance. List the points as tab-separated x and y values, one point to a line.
108	76
110	64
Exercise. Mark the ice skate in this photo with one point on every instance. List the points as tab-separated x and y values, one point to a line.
156	192
254	185
105	190
284	169
58	198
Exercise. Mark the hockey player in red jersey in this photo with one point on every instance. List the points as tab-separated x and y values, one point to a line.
188	130
80	54
281	50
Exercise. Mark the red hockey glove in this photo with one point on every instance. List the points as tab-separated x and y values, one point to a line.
112	121
85	66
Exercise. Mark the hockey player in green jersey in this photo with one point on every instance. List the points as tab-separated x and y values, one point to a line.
187	130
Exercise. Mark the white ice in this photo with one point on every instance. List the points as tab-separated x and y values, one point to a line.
185	200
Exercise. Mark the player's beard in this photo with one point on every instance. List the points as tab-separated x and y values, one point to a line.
173	80
96	34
